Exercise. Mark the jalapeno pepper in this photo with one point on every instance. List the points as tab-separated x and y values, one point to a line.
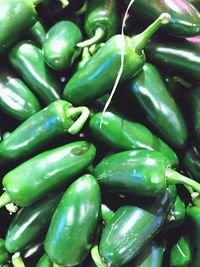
74	235
46	172
59	48
90	82
141	172
121	134
132	227
16	98
4	256
100	21
192	162
30	222
185	19
150	90
38	33
43	127
26	58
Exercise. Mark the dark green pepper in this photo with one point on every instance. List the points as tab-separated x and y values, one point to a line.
73	226
100	21
181	252
121	134
96	78
132	227
185	19
141	172
46	172
55	120
59	48
27	59
162	111
192	162
16	98
30	222
16	17
170	55
38	33
4	256
106	213
44	261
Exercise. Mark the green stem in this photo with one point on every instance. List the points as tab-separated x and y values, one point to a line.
17	260
99	34
96	257
4	199
82	10
140	40
78	124
173	177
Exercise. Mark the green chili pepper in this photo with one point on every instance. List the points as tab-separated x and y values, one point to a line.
44	261
30	222
38	33
46	172
27	60
106	213
74	223
43	127
121	134
141	172
185	19
170	55
90	82
192	162
59	48
16	98
100	21
162	111
4	256
132	227
181	252
16	17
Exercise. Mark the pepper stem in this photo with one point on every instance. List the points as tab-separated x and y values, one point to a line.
4	199
78	124
140	40
96	257
173	177
99	34
17	260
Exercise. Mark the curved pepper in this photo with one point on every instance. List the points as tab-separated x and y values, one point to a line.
4	256
30	222
38	33
121	134
141	172
192	162
43	127
16	98
100	21
90	82
161	110
185	19
79	212
27	59
59	48
132	227
181	57
16	17
46	172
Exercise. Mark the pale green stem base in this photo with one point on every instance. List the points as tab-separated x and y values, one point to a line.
99	34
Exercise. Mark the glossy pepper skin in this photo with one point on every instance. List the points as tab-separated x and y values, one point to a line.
38	33
140	172
181	252
90	82
40	129
176	57
16	98
132	227
16	17
150	89
30	222
191	162
4	256
59	48
185	19
79	212
121	134
26	58
47	172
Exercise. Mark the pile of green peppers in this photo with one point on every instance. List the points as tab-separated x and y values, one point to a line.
83	186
